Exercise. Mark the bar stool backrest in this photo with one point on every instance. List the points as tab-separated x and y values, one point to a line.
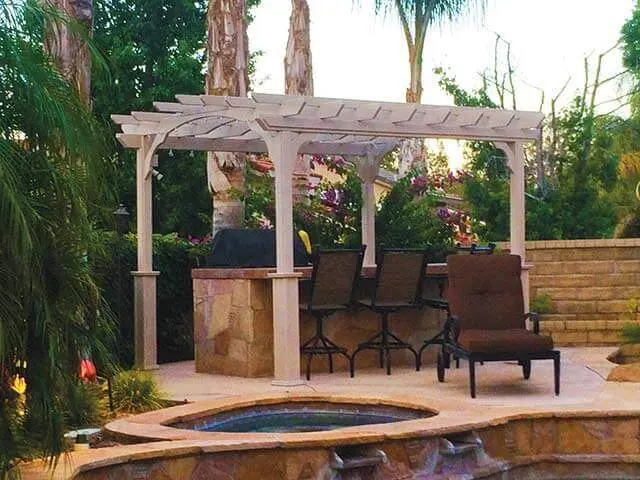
335	277
475	249
399	276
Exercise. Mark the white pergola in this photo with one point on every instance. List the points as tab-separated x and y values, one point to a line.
284	126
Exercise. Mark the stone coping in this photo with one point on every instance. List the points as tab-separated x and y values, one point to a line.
593	243
433	269
154	426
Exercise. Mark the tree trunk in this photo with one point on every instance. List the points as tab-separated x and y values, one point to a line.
298	77
69	49
227	59
297	62
412	149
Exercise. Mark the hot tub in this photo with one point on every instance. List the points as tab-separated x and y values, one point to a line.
288	417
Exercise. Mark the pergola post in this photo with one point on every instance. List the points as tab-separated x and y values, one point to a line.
283	150
515	156
367	171
145	350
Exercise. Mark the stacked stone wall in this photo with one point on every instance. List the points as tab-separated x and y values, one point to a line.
590	284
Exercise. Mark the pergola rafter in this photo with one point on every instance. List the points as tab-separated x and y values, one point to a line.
285	126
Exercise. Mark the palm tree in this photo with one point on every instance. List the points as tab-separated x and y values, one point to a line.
416	17
66	42
227	62
298	77
298	68
51	165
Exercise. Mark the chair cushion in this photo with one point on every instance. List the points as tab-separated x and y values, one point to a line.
485	291
516	340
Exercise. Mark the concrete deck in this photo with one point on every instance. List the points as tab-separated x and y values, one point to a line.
499	384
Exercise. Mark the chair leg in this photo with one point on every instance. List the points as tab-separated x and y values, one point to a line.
556	372
526	369
388	355
472	377
309	357
352	363
441	366
457	361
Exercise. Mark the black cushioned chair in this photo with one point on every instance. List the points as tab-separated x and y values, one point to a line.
333	285
398	286
487	320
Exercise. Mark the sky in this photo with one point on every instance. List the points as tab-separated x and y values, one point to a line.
360	55
357	54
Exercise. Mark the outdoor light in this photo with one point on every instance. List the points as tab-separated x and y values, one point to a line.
157	174
171	152
122	219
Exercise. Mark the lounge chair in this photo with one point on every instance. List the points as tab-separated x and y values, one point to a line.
440	303
487	321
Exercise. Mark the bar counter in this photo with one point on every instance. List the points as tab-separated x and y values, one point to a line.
233	322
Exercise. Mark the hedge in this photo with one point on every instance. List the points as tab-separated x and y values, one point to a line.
112	258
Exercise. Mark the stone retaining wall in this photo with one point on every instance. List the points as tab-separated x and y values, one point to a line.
590	283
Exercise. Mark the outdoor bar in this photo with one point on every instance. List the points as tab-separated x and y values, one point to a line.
233	322
284	126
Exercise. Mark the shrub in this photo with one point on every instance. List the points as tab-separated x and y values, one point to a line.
541	304
630	333
85	405
135	391
407	220
113	257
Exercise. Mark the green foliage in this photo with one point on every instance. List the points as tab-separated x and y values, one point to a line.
630	43
135	391
52	171
405	220
154	50
577	199
85	405
111	260
630	333
332	214
541	304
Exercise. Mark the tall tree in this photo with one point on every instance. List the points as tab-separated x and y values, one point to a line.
66	42
298	77
153	58
227	65
416	17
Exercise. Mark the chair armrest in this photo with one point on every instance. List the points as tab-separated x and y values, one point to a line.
533	316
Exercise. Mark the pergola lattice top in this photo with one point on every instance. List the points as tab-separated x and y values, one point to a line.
237	124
